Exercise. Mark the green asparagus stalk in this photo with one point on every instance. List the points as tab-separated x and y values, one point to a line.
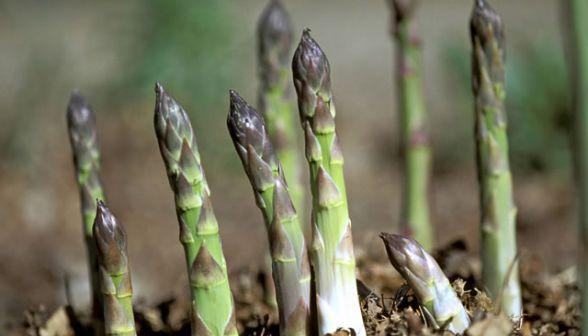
86	155
577	11
498	212
428	282
332	253
213	311
274	33
115	276
413	120
291	271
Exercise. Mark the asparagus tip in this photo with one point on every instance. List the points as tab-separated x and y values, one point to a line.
485	20
245	124
275	21
310	62
110	238
158	88
79	112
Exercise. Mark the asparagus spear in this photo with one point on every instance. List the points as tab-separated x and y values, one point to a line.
413	120
86	155
213	311
115	276
289	259
332	254
427	280
577	11
498	212
274	34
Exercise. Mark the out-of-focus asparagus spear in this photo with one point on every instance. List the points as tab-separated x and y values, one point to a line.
86	154
332	253
428	281
413	120
577	15
288	250
274	34
212	301
498	212
115	276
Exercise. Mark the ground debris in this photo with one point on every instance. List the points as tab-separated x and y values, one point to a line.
389	307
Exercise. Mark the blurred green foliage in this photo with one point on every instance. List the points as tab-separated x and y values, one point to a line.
538	103
184	44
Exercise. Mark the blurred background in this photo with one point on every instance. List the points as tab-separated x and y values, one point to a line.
115	51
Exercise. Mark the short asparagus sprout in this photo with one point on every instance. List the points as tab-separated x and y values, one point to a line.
115	275
412	111
498	212
213	311
291	271
81	124
427	280
332	253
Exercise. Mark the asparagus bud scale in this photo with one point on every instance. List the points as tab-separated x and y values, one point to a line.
288	251
81	124
427	280
498	212
212	301
115	276
332	253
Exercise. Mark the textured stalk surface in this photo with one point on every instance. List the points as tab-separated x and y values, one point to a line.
577	11
81	124
332	253
212	301
500	269
415	219
428	281
290	266
274	35
115	276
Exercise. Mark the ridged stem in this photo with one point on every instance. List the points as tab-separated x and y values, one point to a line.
500	270
86	155
291	271
332	253
117	291
415	219
213	311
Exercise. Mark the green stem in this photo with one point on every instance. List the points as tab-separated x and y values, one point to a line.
86	154
212	301
577	11
414	132
332	246
498	212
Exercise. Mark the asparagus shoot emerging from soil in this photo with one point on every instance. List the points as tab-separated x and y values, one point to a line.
577	11
427	280
84	143
212	301
288	251
498	212
413	120
274	34
332	253
117	292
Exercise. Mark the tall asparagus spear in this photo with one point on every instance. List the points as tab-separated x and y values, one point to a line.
289	259
213	311
332	246
86	155
427	280
274	34
498	212
117	291
577	11
413	120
